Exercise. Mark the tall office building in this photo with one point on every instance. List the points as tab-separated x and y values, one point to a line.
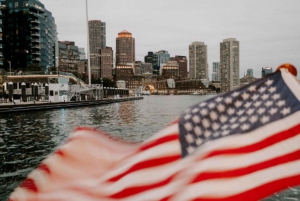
28	35
198	68
97	40
125	48
182	66
216	72
68	56
156	59
229	64
250	72
265	71
106	62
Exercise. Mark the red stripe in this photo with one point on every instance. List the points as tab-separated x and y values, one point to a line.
249	169
45	168
159	141
147	164
260	192
29	185
260	145
135	190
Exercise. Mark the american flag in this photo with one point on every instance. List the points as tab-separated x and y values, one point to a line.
241	145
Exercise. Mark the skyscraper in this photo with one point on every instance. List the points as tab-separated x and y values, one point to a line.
250	72
229	64
28	35
106	62
125	48
97	37
198	68
216	72
265	71
182	66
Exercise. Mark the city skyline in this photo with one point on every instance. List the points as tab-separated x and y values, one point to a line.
267	31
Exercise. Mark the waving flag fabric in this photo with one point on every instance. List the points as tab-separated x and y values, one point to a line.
241	145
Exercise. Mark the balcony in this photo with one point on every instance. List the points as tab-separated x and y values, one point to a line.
36	28
36	47
36	53
35	21
35	34
36	59
35	41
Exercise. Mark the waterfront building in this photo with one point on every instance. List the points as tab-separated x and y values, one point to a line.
169	70
125	48
146	68
123	72
106	62
30	35
216	72
247	80
182	66
137	68
162	57
82	54
198	68
265	71
82	67
229	64
152	59
68	56
250	72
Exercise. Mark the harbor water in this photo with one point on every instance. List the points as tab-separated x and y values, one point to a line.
27	138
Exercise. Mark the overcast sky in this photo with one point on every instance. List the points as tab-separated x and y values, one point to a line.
268	30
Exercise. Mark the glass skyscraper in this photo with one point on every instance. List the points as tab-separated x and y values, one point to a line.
29	35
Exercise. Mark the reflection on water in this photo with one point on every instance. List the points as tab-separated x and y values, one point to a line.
27	138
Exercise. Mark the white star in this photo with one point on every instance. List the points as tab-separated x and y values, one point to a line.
233	119
261	110
219	99
281	103
265	119
198	131
245	96
211	105
213	115
234	126
205	123
262	89
204	112
189	138
245	127
250	111
248	104
253	119
230	111
195	110
254	97
269	103
190	149
243	119
199	141
196	119
215	126
228	100
216	134
188	116
273	111
272	89
188	126
225	127
225	132
235	94
269	82
257	103
221	108
207	133
223	119
276	96
238	103
203	104
240	112
265	97
286	111
252	88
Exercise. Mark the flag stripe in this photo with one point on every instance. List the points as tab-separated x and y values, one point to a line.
159	141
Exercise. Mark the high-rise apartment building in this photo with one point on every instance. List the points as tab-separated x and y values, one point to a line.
182	66
265	71
216	72
229	64
97	40
68	56
198	68
250	72
125	48
106	62
28	35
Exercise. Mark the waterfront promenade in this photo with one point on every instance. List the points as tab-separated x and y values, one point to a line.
40	105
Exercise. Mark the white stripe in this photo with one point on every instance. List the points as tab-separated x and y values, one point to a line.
171	148
220	188
251	137
231	162
291	81
169	130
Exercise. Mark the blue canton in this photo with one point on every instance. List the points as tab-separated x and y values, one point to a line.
236	112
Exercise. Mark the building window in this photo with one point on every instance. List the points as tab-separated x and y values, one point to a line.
16	4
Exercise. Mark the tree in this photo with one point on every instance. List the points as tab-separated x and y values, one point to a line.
34	67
